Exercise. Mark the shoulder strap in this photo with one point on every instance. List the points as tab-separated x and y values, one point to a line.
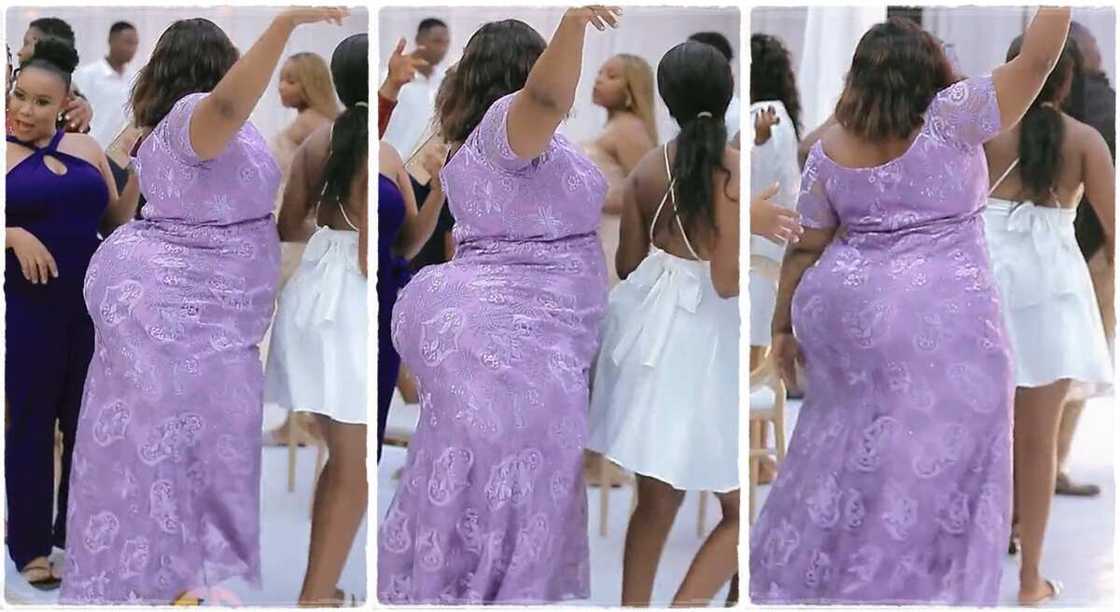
1003	177
664	198
57	138
673	196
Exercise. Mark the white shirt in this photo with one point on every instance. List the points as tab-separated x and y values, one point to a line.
774	161
413	114
108	92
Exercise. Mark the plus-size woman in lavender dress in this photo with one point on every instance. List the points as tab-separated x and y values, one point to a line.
896	487
491	505
164	491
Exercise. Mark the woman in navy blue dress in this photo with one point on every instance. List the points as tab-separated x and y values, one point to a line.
60	197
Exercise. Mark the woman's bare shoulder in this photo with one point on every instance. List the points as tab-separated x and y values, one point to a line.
389	160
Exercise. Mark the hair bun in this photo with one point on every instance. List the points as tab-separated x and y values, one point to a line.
57	52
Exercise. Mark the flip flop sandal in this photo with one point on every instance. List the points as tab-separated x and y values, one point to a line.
40	576
1065	486
1055	592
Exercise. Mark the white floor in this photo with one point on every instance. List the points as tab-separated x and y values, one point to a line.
1078	548
285	532
606	551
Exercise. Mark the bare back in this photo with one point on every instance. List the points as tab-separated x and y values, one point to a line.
1077	156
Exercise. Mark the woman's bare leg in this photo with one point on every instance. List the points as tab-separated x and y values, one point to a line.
340	504
653	517
1037	413
718	558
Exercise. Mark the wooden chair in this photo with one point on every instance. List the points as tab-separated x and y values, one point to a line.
768	406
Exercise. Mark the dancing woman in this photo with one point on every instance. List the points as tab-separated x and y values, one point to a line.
60	195
896	487
624	87
665	394
305	85
1039	170
166	480
317	361
491	505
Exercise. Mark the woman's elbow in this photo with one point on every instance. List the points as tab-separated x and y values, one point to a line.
726	289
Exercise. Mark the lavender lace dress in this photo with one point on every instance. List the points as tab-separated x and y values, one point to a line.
896	488
165	486
491	505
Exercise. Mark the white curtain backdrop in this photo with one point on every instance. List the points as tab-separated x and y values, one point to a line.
242	24
646	32
831	34
822	41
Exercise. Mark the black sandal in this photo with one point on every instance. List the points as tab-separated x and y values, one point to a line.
49	582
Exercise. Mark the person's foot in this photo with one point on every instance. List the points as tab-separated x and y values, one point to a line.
1044	592
1064	486
39	573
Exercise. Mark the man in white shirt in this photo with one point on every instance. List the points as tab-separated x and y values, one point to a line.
107	83
720	42
416	101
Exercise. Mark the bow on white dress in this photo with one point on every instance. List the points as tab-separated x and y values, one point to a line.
674	286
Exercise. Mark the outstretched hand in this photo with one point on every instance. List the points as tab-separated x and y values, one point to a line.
597	15
402	66
774	221
315	14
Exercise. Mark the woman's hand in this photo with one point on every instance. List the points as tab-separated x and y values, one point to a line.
786	353
763	121
314	14
432	162
773	221
597	15
78	114
402	67
35	260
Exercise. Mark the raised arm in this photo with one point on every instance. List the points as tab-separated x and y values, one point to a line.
220	115
549	92
402	69
1018	82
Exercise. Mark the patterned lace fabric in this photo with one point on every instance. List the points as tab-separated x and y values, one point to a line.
491	505
897	485
165	489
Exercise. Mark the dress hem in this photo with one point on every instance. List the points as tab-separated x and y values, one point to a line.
652	473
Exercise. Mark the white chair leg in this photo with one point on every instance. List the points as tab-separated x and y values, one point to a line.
291	451
702	515
604	495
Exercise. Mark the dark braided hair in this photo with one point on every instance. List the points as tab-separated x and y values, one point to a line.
1042	129
772	76
350	132
694	78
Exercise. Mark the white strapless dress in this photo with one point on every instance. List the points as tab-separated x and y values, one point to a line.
1049	305
317	357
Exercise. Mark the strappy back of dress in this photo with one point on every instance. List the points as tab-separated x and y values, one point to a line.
670	195
1006	173
323	191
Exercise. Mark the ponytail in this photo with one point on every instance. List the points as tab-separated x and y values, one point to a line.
700	151
349	150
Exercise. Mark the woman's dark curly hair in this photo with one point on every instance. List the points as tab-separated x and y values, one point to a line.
496	62
350	132
191	57
1042	129
896	71
772	76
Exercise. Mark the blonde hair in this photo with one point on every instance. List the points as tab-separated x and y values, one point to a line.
314	77
638	77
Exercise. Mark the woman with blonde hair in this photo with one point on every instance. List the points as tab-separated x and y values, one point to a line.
305	85
624	87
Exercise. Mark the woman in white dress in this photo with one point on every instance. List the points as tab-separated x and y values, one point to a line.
317	359
665	386
1039	170
305	85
